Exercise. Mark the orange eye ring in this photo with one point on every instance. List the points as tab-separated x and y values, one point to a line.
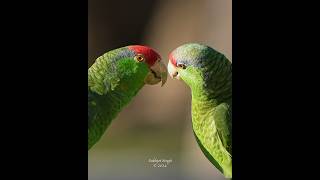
139	58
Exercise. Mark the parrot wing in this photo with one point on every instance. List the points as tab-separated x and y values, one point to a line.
214	138
207	153
223	122
103	78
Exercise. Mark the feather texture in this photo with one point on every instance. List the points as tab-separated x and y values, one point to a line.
209	75
113	80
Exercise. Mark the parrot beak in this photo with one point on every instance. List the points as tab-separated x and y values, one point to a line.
158	72
173	71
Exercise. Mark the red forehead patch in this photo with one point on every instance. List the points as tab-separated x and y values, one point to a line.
151	55
172	60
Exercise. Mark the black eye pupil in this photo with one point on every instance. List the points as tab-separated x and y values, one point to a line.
139	58
181	66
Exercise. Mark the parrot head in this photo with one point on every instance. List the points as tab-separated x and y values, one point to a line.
157	70
194	64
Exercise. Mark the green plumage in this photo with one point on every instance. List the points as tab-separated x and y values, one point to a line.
113	80
209	75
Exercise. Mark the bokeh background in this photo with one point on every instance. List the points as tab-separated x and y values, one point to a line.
157	123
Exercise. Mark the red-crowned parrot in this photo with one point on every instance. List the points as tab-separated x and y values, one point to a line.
114	79
208	73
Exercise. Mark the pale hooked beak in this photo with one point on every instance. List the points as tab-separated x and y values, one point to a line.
158	72
173	71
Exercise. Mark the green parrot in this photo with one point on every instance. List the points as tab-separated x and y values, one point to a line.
208	73
114	79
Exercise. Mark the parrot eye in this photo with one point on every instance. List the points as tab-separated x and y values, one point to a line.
139	58
182	66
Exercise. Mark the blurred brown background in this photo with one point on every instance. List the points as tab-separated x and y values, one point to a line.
157	123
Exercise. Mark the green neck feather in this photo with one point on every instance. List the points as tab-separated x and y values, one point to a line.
212	82
201	96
